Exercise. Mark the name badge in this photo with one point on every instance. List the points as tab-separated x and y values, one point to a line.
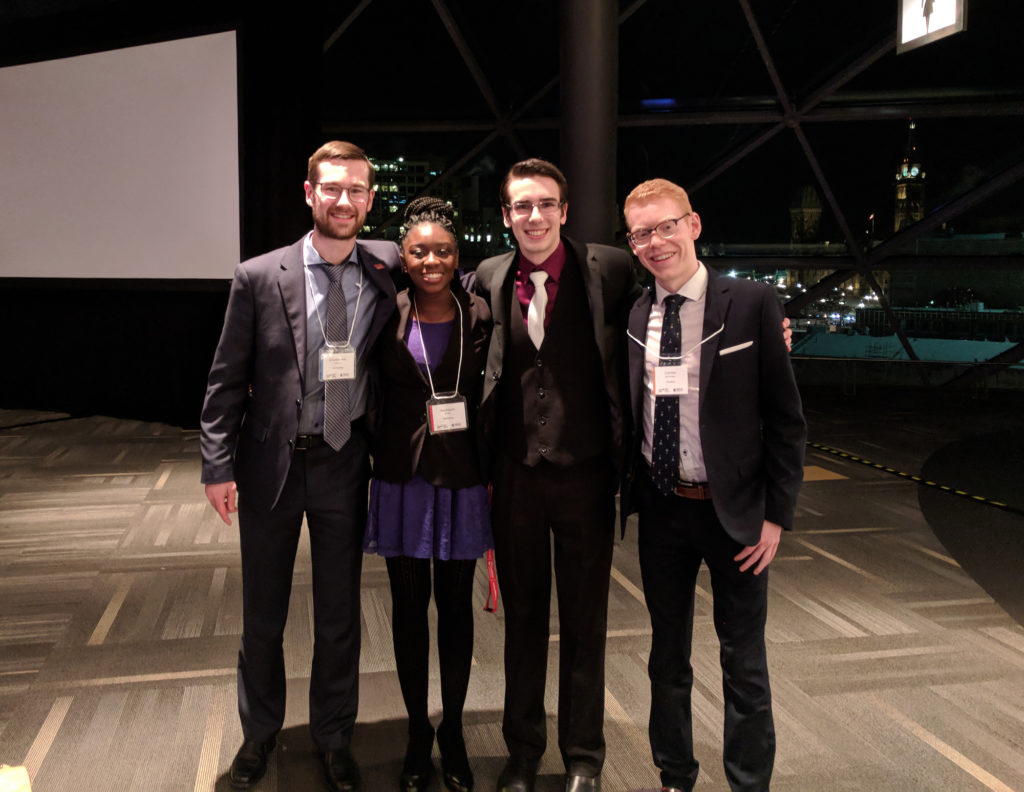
447	414
337	363
671	381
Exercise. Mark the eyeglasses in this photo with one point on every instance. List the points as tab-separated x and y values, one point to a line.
666	229
333	192
545	206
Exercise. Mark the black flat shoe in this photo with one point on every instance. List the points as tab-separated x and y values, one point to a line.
455	770
458	782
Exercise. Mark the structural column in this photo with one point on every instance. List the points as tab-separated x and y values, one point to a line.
589	101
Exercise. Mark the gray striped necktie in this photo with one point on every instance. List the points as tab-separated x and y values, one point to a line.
337	393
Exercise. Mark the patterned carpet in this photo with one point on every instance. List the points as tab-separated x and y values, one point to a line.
892	668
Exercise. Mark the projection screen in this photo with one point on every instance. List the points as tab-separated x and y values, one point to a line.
122	164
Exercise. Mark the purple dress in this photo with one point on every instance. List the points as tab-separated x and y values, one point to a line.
416	518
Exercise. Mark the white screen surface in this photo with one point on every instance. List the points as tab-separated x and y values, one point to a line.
122	164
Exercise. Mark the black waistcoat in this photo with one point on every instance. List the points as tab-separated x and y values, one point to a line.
553	401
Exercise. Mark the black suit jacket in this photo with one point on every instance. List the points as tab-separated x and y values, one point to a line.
402	445
610	286
752	429
254	396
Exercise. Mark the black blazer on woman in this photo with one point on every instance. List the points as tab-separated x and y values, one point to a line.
402	445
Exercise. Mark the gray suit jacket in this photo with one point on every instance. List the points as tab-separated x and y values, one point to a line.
611	287
752	428
254	396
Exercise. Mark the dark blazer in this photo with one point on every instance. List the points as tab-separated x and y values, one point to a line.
402	445
752	429
610	286
254	396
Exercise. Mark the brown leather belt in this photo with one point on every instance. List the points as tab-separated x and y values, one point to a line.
694	490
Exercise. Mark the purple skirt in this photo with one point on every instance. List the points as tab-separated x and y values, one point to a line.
420	520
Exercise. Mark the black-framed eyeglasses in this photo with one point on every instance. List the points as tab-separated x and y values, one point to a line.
666	229
545	206
333	192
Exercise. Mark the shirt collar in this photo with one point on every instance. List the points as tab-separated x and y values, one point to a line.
311	258
694	289
552	265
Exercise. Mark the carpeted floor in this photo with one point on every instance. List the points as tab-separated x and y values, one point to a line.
895	637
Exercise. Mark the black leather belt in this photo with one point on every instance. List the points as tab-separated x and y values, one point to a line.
308	441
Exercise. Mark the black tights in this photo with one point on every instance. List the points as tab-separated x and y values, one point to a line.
410	596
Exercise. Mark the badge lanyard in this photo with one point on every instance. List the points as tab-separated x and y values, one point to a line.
337	359
446	412
672	380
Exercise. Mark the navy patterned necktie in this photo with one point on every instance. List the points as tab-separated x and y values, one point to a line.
665	442
337	393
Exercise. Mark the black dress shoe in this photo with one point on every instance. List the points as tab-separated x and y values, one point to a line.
519	775
340	770
250	763
415	782
579	783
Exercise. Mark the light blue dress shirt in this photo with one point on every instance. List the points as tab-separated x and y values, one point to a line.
311	420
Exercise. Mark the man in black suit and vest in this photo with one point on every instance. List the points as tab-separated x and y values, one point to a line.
553	404
714	464
284	418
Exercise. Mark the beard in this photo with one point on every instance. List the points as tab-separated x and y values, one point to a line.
333	229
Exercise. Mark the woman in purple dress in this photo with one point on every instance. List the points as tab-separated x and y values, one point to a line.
428	501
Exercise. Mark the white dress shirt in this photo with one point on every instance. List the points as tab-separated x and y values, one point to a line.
691	315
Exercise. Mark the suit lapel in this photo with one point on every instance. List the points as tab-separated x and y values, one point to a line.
638	316
716	309
591	273
500	298
292	284
377	272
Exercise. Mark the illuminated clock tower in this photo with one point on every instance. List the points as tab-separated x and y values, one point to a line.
909	184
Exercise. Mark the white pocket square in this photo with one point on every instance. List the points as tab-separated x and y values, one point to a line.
737	348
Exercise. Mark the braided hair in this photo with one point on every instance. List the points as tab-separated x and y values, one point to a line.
429	209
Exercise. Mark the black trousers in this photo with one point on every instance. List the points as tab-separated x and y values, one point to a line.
676	534
573	509
329	488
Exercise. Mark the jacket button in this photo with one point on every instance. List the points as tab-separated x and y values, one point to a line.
543	449
539	363
542	420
